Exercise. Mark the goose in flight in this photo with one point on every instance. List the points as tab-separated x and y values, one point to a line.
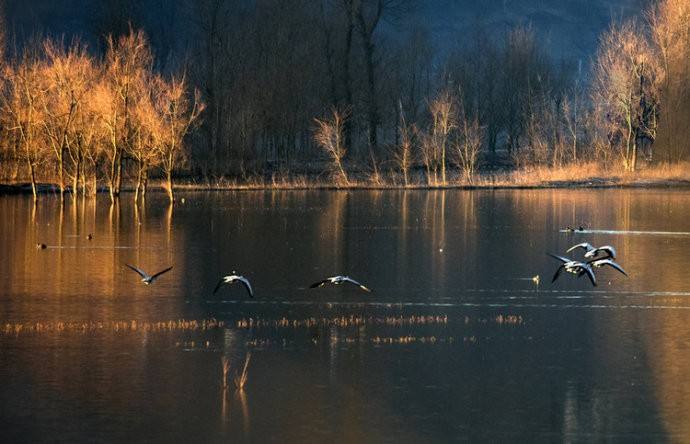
574	267
145	278
592	252
234	277
337	280
598	263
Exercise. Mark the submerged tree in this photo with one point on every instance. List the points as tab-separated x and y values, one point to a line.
178	111
128	59
147	134
24	111
69	73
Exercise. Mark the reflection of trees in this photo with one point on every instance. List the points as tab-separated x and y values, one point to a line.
435	211
78	267
665	342
331	247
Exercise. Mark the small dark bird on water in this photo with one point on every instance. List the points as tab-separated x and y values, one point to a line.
231	279
570	229
41	246
337	280
146	278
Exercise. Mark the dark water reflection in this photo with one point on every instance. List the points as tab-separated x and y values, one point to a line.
455	342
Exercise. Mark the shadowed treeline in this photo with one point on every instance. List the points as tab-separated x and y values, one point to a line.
327	98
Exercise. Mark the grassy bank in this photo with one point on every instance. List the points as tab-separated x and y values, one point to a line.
590	175
571	176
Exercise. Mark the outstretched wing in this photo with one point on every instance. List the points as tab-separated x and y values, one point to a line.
352	281
161	272
247	285
609	262
218	285
560	258
141	273
607	249
584	245
320	283
558	273
590	274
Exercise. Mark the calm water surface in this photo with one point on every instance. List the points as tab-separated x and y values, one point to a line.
455	342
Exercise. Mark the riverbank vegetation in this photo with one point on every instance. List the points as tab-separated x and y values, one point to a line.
324	100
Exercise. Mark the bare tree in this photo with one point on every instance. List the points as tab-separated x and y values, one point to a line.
571	111
626	84
88	139
24	111
128	58
403	153
468	143
367	15
178	112
443	122
669	28
329	136
147	133
68	75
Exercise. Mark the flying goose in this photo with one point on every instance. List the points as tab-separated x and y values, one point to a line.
574	267
145	278
337	280
234	277
592	252
598	263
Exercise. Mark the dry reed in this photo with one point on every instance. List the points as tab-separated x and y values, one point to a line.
241	379
590	174
226	369
17	328
341	321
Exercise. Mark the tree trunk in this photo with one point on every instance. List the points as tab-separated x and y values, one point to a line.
405	176
113	179
61	176
77	171
118	180
169	185
443	162
372	112
346	80
139	178
628	144
145	184
32	172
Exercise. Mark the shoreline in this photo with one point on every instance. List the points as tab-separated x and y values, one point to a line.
593	183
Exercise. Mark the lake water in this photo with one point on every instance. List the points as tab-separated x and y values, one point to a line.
455	342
